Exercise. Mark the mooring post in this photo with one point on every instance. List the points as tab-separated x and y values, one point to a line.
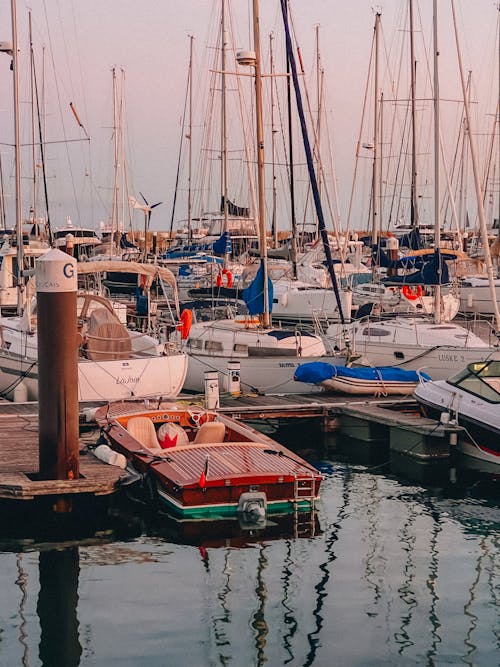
212	390
233	378
56	284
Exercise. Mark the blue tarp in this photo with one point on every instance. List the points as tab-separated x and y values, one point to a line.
253	295
318	371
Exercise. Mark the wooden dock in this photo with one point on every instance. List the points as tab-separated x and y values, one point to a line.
300	405
19	464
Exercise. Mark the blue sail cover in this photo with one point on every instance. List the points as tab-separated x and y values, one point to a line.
253	295
428	275
319	371
223	245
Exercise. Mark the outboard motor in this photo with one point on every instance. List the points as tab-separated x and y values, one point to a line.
252	509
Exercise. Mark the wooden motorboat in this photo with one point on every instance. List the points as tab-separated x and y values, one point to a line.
203	465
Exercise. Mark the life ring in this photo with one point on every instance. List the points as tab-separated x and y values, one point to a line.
228	281
412	292
186	321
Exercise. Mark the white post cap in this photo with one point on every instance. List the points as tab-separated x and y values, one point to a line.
56	271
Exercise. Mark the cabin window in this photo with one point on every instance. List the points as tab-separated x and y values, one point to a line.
213	346
195	344
399	355
373	331
239	347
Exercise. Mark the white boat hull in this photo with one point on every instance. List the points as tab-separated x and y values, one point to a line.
438	362
271	375
142	377
440	350
475	296
479	418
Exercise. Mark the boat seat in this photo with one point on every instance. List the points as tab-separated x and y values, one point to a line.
171	435
210	432
143	430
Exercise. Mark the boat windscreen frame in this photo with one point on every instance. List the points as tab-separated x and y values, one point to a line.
477	375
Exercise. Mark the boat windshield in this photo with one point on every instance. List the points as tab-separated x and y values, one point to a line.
481	379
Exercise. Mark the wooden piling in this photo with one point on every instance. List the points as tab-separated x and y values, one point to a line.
56	279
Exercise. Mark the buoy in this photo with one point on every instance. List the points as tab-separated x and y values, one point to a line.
224	278
412	292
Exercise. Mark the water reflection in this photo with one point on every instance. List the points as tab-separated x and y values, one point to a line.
390	573
21	582
259	623
57	605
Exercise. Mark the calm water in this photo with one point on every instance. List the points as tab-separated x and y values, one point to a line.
393	573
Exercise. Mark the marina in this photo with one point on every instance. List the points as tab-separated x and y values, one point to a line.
249	334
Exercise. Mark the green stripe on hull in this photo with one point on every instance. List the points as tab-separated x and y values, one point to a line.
230	510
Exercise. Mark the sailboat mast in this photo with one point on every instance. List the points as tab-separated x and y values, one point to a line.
114	210
32	103
17	144
223	123
437	184
291	158
260	160
376	139
190	154
273	147
413	196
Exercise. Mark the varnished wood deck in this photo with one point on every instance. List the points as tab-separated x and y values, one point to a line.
19	461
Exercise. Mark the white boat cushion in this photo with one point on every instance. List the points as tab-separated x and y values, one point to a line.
170	435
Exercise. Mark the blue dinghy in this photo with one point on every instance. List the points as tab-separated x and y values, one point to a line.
381	380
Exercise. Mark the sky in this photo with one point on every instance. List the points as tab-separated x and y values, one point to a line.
77	44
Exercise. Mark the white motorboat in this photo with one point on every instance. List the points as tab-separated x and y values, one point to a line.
472	399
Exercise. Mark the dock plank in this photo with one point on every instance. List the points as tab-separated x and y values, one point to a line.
19	465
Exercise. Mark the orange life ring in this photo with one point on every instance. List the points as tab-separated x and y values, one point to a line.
229	278
186	322
412	292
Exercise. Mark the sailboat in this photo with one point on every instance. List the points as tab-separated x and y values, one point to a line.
417	343
114	361
268	355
